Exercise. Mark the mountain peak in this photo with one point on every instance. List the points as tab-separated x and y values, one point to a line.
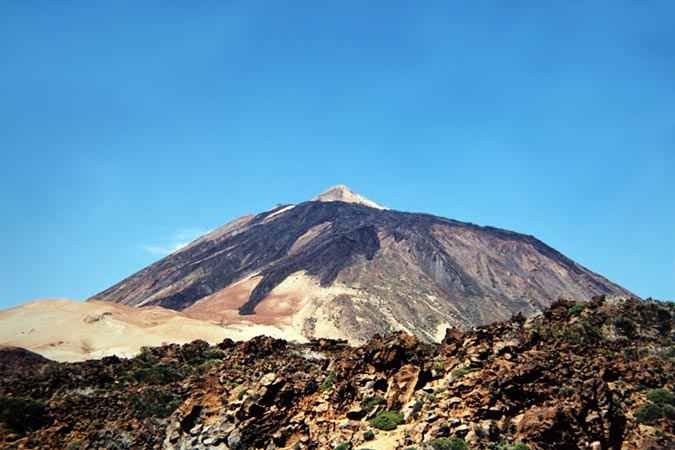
342	193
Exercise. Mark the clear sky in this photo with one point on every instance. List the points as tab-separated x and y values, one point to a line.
127	128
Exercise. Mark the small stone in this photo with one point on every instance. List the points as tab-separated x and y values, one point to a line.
453	401
174	436
322	407
462	430
496	412
234	440
268	379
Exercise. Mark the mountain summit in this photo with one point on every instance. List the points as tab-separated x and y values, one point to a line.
342	266
341	193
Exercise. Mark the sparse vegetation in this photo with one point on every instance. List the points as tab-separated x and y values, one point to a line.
74	445
216	353
21	414
566	391
241	394
157	374
369	435
518	446
648	413
616	402
583	333
153	402
503	445
369	403
194	352
340	346
591	330
461	371
387	420
575	310
660	396
327	384
343	446
625	326
660	405
448	444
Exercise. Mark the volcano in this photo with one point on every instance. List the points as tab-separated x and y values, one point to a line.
343	266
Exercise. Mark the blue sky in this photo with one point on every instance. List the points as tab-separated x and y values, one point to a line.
127	128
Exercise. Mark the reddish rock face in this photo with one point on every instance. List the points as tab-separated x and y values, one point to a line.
353	270
596	375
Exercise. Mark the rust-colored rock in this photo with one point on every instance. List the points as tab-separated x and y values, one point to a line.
571	378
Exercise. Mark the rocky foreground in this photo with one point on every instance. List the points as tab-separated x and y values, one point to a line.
595	375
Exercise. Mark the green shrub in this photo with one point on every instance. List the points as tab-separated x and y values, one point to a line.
369	435
573	337
635	353
518	446
153	403
625	326
74	445
193	353
648	413
387	420
145	358
369	403
668	411
660	396
204	367
591	331
21	414
327	384
343	446
582	333
340	346
241	394
616	402
448	444
158	374
216	353
460	372
566	391
431	397
575	310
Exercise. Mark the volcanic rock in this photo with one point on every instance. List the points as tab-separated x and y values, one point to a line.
342	266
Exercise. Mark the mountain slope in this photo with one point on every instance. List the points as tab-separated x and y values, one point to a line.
336	268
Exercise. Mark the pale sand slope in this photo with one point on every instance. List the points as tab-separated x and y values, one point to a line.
67	330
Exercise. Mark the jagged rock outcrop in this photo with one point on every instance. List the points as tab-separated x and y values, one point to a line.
342	266
596	375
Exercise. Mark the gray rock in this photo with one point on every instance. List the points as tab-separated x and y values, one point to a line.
234	441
